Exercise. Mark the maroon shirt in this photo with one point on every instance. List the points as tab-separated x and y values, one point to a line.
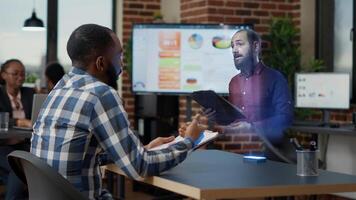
265	99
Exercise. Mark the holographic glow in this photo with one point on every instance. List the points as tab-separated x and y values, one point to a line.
255	157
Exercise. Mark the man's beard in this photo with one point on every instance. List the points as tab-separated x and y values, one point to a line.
112	78
246	65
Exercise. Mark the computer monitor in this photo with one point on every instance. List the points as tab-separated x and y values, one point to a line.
322	90
182	58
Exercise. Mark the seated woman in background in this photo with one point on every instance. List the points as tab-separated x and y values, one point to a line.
54	72
15	99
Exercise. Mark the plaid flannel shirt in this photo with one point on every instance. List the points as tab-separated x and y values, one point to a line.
83	118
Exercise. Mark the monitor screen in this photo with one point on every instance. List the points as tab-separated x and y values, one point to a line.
322	90
182	58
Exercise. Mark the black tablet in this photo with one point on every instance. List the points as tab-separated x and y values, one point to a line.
226	112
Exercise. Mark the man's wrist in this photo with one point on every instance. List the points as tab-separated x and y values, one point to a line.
191	140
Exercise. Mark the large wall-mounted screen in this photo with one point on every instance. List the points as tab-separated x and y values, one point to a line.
182	58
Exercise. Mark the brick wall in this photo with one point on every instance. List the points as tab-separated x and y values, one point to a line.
257	12
134	12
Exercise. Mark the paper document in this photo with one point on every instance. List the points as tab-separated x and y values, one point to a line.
204	137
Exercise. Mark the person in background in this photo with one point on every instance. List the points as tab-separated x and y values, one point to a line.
83	120
54	72
14	98
17	101
261	92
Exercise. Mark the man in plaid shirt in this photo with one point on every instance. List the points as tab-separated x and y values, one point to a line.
83	119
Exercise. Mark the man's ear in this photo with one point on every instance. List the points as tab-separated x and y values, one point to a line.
100	63
256	47
2	75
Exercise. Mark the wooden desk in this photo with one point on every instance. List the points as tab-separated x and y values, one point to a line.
16	133
212	174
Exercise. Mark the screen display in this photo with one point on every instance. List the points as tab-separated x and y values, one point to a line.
322	90
178	58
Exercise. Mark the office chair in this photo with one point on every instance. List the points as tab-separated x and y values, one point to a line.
43	182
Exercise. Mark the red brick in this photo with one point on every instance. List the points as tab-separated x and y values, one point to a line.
269	6
130	12
212	10
195	12
128	26
153	7
251	146
232	20
184	6
243	12
225	11
294	14
218	146
255	138
146	13
135	5
217	19
260	13
285	7
215	2
233	4
278	14
197	4
261	29
251	5
251	20
232	146
224	138
242	138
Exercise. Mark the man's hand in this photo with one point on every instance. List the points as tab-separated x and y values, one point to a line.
24	123
159	141
193	129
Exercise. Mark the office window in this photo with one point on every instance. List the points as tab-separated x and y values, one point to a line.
29	47
343	54
73	13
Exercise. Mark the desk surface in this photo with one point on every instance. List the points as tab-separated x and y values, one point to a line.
16	133
343	129
212	174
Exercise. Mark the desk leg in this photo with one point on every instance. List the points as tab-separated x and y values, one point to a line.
121	186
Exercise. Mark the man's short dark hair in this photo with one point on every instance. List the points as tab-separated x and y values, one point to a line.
252	35
87	42
54	72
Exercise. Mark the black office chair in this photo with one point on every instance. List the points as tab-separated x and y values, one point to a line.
43	182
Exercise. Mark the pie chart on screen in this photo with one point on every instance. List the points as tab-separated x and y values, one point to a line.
195	41
221	42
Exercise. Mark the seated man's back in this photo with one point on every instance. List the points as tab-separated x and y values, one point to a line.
83	118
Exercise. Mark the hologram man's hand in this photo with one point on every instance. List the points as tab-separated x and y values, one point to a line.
237	127
159	141
209	113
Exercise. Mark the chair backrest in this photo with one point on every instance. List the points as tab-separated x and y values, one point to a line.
43	181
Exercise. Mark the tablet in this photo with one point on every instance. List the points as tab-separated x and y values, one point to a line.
226	113
204	138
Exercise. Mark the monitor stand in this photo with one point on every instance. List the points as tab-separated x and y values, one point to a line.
326	117
326	120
